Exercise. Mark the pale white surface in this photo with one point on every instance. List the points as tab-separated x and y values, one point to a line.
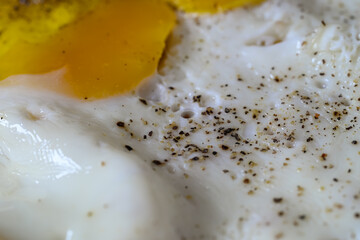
279	106
63	175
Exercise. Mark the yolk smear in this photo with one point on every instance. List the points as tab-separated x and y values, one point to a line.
104	53
211	6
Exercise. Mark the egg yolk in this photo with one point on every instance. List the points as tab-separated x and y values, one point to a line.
100	47
30	22
211	6
106	52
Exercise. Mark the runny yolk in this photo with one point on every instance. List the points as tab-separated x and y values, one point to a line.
211	6
100	47
104	53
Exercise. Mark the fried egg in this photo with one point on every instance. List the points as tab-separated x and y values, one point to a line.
243	127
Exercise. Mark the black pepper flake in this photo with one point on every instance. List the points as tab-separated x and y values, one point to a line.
224	147
236	136
157	162
128	148
228	130
143	101
197	98
323	157
354	142
120	124
357	215
277	200
195	159
302	217
246	181
278	79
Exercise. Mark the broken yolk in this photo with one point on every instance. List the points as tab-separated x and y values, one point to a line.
211	6
100	48
106	52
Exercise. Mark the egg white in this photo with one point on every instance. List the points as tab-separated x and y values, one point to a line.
249	131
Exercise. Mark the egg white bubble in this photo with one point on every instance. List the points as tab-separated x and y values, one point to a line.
248	131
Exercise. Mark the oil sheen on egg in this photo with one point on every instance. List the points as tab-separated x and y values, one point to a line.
249	130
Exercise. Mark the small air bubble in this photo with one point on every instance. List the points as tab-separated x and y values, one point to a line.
321	84
268	131
171	170
175	107
346	103
290	144
187	114
358	37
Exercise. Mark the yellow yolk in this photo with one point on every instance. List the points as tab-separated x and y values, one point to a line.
103	47
211	6
106	52
32	22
